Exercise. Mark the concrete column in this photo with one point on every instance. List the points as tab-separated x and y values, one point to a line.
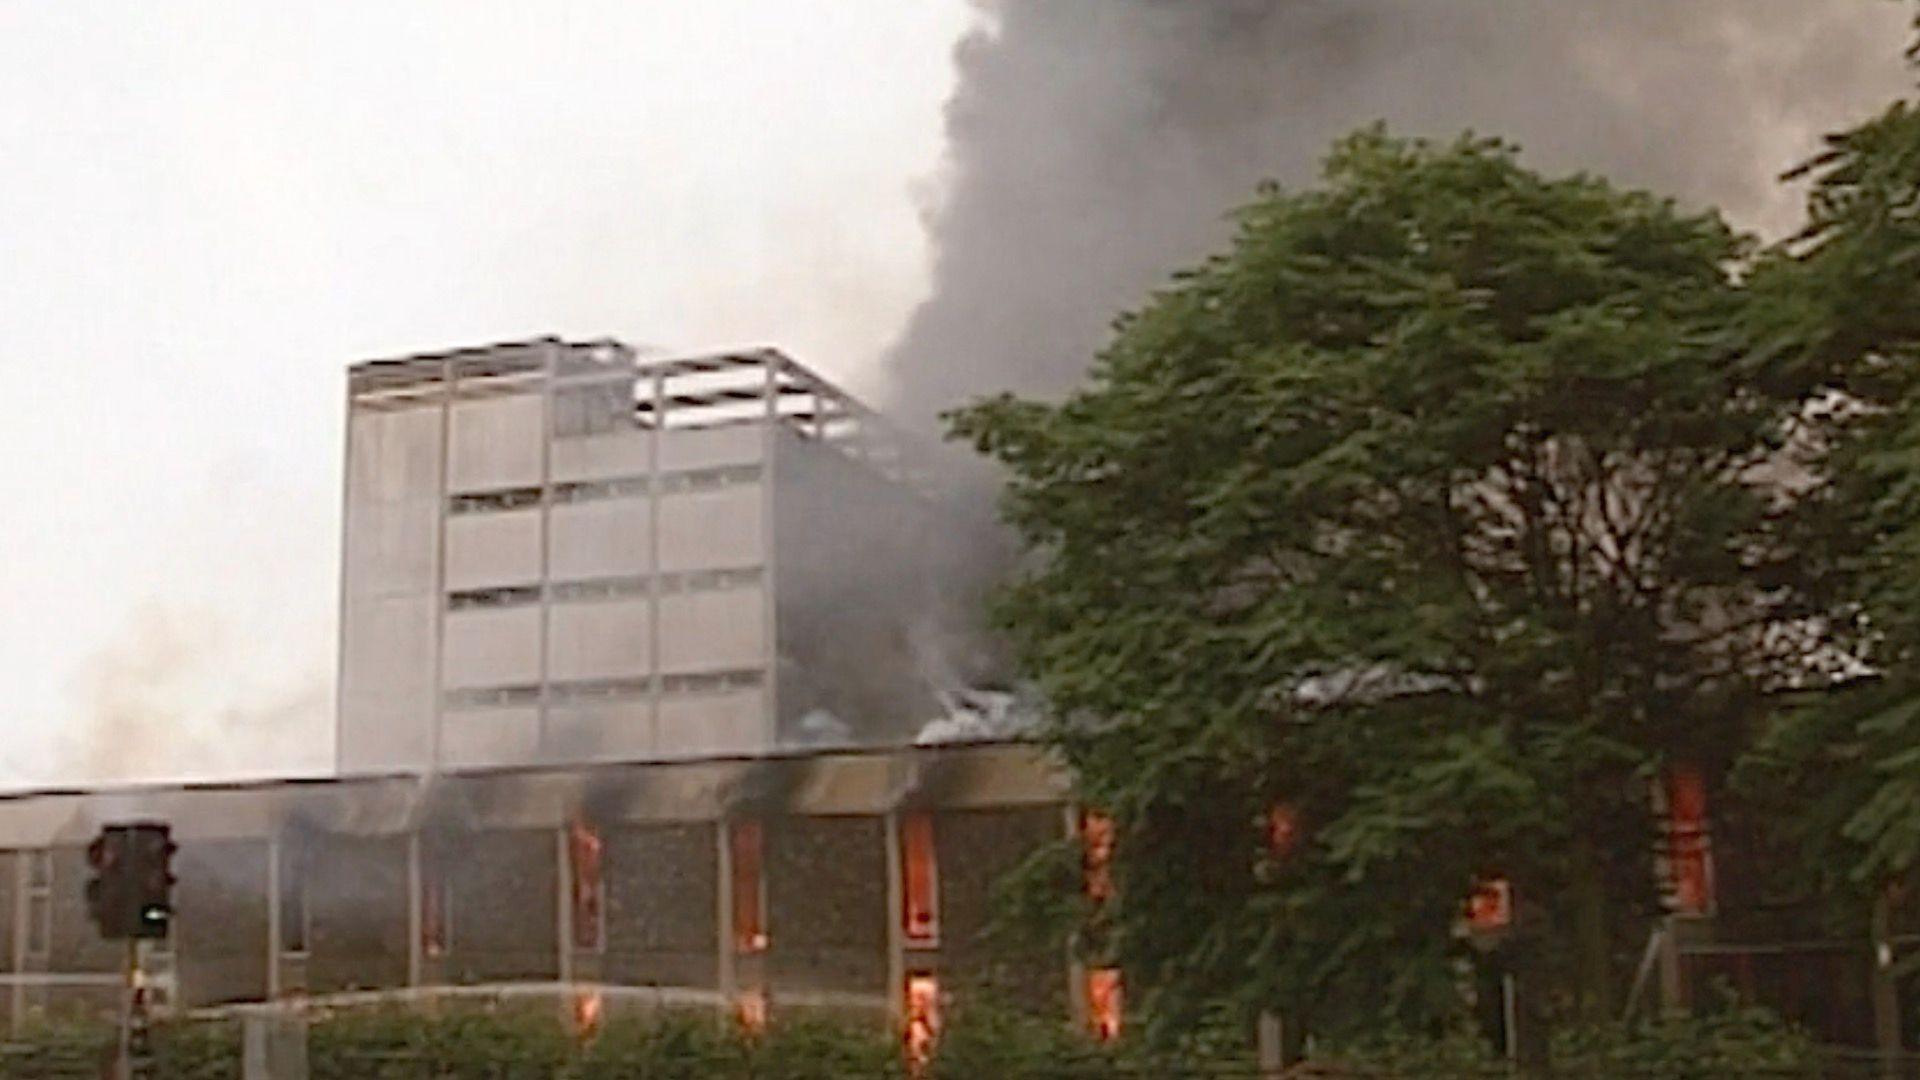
1885	990
1076	971
21	908
1673	990
1268	1041
769	583
415	954
726	977
275	933
563	888
896	933
435	707
657	386
551	355
341	592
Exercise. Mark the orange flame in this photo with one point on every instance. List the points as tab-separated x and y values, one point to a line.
750	1010
583	852
1097	844
589	1007
1106	1002
746	842
923	1020
920	891
1283	830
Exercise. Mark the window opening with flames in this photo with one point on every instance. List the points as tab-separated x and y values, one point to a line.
585	855
436	913
1689	852
746	843
1106	1002
920	880
1096	855
923	1018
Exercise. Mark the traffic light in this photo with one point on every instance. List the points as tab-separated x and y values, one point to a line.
106	888
131	892
153	879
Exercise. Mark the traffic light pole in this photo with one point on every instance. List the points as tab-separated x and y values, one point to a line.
130	987
130	898
130	1045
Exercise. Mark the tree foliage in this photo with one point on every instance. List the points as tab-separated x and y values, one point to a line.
1839	305
1438	509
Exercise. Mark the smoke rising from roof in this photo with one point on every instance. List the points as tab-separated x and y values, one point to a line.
1096	145
163	700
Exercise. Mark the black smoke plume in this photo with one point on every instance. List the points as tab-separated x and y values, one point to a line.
1094	146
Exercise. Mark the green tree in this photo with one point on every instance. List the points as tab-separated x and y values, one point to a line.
1839	306
1436	508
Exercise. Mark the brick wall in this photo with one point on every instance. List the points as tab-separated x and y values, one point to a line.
77	945
220	924
504	897
977	849
9	897
358	901
827	904
661	899
9	860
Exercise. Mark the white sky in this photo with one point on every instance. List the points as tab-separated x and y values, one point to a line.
207	209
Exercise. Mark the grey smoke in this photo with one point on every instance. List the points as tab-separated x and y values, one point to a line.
1094	146
162	701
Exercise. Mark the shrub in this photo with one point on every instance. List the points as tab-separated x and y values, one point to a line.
1730	1042
986	1042
983	1042
529	1042
823	1050
52	1049
190	1050
1735	1041
994	1042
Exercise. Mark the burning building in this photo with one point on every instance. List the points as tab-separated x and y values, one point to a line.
631	712
854	882
561	552
629	689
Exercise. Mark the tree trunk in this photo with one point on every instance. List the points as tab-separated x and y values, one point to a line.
1592	945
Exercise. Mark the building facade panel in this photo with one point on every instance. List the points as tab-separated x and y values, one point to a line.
604	731
706	448
390	546
712	724
704	530
492	550
718	629
496	443
492	647
603	538
602	639
389	649
386	689
479	736
393	455
603	456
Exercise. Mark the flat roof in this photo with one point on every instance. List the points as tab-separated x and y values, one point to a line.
836	781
